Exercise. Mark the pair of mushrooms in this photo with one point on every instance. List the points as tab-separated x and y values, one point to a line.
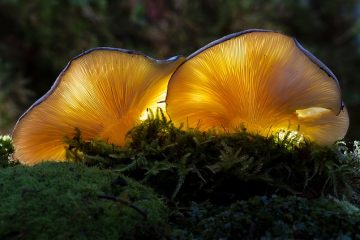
262	80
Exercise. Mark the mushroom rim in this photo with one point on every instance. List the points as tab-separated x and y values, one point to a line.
306	52
68	65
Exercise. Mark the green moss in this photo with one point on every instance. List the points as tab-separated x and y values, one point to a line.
195	166
271	218
70	201
231	186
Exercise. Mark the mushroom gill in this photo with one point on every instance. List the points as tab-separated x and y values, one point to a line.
103	92
262	80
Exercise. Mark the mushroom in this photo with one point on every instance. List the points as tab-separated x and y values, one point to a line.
103	92
260	80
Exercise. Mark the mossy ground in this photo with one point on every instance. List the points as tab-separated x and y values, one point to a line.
70	201
174	184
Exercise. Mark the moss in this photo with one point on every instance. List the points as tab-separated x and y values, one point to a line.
215	186
70	201
271	218
196	166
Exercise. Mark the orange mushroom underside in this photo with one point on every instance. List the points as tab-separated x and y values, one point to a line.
261	80
103	93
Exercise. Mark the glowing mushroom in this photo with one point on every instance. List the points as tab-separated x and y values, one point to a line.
261	80
103	92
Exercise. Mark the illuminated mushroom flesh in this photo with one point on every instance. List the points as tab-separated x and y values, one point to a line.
103	92
261	80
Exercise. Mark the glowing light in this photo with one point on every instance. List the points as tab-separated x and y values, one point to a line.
293	137
312	112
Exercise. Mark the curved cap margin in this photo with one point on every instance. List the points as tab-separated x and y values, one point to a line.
58	79
307	53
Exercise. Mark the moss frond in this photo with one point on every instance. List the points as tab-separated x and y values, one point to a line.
196	165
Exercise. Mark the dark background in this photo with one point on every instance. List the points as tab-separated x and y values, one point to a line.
38	37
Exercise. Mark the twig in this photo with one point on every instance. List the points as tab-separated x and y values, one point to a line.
125	202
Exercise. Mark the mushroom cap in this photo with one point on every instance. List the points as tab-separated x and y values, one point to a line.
262	80
103	92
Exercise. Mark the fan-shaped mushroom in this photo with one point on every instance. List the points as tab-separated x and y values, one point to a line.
103	92
262	80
